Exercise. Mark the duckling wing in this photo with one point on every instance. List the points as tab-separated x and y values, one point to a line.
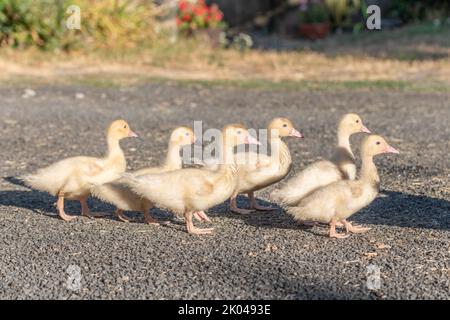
166	190
144	171
316	175
65	174
95	172
252	161
210	164
322	204
178	190
118	195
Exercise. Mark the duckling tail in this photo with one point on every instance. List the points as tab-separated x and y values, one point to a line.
298	213
43	180
286	198
136	184
129	178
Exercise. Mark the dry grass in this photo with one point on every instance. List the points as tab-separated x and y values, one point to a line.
191	60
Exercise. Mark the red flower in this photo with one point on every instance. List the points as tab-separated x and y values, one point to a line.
216	13
197	15
186	17
200	11
182	5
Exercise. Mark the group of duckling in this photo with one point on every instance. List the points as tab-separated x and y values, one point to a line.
324	192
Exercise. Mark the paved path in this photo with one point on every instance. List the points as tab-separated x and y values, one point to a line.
264	255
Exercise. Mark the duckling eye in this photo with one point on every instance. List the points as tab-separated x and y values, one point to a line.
187	134
357	121
284	125
239	132
125	126
378	142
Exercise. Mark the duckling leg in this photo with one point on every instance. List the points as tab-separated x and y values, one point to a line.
190	226
255	205
354	229
146	206
197	217
85	212
333	233
234	208
201	216
149	219
121	216
84	207
60	207
338	224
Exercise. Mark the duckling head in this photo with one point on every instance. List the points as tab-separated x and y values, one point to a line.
182	136
236	134
352	123
283	127
120	129
374	145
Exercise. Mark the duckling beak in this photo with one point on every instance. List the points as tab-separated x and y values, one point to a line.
295	133
131	134
365	130
250	140
390	149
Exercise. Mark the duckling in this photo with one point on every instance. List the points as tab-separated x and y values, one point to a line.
322	173
266	170
126	200
339	200
71	178
190	190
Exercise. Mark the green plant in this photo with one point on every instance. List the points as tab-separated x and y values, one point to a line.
242	42
104	23
419	10
27	23
315	13
342	11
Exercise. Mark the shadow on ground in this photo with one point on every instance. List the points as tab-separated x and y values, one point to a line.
390	208
43	203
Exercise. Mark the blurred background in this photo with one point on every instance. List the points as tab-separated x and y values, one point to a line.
284	42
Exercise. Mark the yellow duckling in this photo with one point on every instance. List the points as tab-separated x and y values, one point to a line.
73	177
125	199
190	190
339	200
322	173
260	170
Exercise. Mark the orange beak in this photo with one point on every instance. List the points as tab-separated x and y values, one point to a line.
365	130
295	133
131	134
390	149
250	140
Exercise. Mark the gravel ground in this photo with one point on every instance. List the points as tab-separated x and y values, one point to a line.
263	255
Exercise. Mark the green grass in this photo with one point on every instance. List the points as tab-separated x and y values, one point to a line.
289	85
108	81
